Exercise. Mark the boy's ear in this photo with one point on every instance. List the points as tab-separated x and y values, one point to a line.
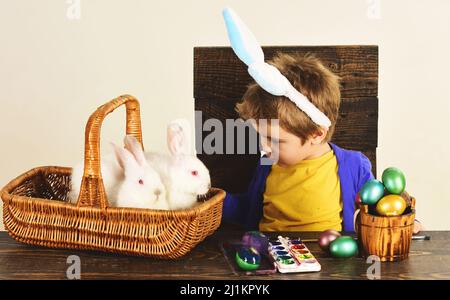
319	136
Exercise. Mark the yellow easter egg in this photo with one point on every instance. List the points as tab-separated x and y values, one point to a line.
391	205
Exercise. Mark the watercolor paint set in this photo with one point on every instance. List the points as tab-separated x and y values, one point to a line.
284	255
292	256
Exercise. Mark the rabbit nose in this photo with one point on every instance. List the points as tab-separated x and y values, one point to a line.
157	192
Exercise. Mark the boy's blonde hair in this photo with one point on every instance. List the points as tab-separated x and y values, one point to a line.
309	76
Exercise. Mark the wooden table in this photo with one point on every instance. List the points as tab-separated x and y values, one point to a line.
428	260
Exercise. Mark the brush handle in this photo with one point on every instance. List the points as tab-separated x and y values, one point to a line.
414	238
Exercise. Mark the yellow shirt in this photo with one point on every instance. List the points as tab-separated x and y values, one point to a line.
303	197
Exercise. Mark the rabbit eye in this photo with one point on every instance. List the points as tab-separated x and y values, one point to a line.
194	173
141	181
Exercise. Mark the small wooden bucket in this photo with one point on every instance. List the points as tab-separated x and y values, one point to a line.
389	238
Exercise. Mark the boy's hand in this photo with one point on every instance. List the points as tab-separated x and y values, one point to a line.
417	227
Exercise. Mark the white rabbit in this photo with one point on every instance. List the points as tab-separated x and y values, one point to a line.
112	175
128	179
142	186
185	177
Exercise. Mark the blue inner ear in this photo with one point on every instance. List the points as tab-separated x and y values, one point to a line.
236	38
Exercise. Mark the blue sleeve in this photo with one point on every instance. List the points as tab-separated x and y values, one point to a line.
365	171
362	173
234	208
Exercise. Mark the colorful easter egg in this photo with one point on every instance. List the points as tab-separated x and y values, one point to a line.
394	180
327	237
247	258
371	192
343	247
257	240
357	199
391	205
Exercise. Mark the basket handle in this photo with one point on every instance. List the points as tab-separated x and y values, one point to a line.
92	191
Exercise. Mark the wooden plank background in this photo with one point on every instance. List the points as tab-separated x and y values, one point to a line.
220	80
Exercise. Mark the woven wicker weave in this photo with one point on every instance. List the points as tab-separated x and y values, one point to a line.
36	211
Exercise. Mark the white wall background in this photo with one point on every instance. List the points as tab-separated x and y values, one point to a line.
55	71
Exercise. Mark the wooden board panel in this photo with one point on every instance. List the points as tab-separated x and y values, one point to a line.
219	74
230	172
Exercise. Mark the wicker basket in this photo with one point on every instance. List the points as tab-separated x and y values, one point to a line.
36	211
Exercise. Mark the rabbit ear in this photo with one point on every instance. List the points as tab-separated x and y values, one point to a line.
135	148
242	40
125	159
176	139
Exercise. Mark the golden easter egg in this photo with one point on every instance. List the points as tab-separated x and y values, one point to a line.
391	205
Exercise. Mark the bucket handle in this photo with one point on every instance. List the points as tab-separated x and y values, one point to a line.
92	191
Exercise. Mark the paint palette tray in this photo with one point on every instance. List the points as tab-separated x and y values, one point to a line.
292	256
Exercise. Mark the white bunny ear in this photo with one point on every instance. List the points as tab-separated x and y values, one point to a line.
125	159
242	39
135	148
248	50
177	138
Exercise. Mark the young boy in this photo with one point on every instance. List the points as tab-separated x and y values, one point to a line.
313	185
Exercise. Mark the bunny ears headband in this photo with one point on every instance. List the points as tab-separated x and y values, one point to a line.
248	50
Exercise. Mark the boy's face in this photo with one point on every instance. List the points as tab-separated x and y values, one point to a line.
286	146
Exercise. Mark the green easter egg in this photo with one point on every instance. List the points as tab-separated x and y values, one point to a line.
371	192
247	258
394	180
343	247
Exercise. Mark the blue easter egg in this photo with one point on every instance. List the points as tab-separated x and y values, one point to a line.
371	192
